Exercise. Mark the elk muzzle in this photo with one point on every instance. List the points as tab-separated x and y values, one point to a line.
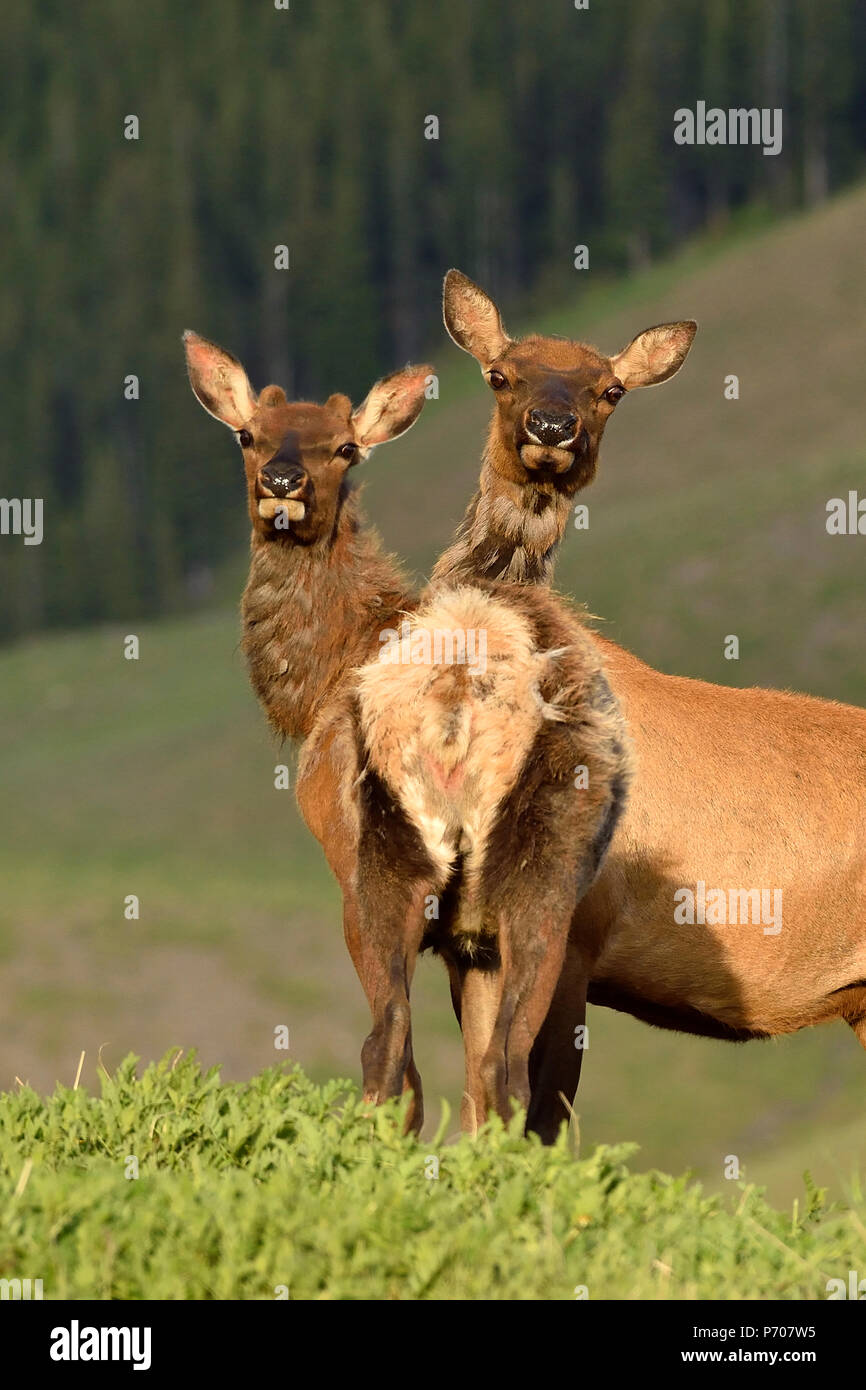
552	440
281	486
551	428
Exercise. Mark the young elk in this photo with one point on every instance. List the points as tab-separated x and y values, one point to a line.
512	769
732	903
319	592
428	779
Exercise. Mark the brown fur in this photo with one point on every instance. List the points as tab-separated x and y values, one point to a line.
738	788
393	750
311	614
319	591
483	765
516	519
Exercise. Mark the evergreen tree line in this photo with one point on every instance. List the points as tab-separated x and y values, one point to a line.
309	127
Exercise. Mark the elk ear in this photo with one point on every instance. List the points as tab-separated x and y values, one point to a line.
472	318
340	403
392	406
219	381
654	355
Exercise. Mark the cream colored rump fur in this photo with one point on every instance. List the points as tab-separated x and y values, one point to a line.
450	736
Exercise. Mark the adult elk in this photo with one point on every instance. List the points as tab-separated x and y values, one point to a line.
734	791
428	781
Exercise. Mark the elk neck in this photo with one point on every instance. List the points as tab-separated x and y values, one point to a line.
312	613
511	529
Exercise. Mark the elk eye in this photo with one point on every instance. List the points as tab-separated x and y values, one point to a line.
347	451
245	439
497	380
614	394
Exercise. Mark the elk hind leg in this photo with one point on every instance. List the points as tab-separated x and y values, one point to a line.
387	1061
532	944
480	991
851	1005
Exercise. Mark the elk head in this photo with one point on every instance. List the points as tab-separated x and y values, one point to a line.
553	396
297	454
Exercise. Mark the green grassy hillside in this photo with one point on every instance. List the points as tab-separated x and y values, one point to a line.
155	777
176	1186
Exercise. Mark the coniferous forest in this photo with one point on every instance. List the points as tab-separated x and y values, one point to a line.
380	143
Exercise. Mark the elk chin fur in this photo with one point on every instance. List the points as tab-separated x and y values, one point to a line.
269	507
545	456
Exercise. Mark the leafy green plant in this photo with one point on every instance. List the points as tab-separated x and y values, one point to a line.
244	1190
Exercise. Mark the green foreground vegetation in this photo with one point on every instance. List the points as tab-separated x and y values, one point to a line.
281	1188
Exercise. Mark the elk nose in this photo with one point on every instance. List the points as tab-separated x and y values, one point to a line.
550	428
281	479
